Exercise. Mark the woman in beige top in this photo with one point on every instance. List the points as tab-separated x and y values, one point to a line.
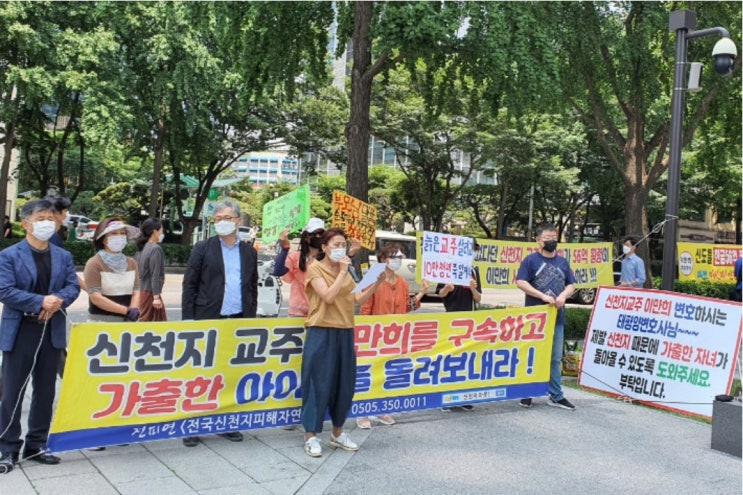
111	276
328	358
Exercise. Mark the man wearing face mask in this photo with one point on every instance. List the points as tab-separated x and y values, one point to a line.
221	280
37	281
546	278
61	206
633	268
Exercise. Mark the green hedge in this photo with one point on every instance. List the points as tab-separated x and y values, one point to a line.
576	323
81	251
175	254
717	290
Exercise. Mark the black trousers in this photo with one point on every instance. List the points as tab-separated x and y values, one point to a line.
16	368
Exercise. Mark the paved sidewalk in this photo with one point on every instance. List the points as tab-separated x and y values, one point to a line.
605	446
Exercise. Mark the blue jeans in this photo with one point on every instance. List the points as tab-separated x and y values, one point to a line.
555	389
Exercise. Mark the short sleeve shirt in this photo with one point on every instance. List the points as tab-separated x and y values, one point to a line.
547	275
336	315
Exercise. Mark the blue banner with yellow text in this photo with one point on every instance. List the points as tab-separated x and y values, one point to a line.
137	382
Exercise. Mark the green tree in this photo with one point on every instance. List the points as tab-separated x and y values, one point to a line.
437	150
617	76
54	53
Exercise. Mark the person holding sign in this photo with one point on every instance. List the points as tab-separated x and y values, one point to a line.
390	298
328	356
546	278
462	298
633	268
292	267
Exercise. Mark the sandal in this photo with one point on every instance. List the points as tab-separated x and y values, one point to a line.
363	423
386	419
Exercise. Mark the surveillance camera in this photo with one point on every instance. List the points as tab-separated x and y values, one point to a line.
724	54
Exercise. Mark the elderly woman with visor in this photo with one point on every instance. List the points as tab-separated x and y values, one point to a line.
111	277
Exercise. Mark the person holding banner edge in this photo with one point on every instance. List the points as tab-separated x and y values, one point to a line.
391	298
328	355
37	282
546	278
221	281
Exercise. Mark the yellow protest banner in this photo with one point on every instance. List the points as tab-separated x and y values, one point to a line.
498	262
713	262
137	382
356	218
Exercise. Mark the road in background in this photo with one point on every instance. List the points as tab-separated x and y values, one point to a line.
171	295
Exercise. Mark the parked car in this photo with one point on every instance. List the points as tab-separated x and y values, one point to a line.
245	233
588	295
85	226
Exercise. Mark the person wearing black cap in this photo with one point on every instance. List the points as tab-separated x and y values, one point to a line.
292	267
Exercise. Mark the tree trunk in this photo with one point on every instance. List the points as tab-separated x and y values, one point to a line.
61	175
636	223
157	167
357	130
501	211
8	153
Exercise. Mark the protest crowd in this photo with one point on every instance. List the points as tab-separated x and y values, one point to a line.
38	282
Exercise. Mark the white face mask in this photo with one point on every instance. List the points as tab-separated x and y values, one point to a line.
44	229
116	243
161	237
224	227
394	264
626	249
66	221
337	254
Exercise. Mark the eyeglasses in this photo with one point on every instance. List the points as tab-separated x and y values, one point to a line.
224	219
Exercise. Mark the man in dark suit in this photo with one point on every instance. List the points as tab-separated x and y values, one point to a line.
37	281
221	280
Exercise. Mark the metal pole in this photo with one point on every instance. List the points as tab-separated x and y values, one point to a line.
684	23
681	21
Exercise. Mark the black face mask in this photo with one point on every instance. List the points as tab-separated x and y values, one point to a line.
316	242
550	246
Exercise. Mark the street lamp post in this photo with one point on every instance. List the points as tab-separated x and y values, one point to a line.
684	23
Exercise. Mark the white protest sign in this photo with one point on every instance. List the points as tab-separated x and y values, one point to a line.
670	350
446	258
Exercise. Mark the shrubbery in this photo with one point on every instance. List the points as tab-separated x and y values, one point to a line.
576	323
717	290
82	251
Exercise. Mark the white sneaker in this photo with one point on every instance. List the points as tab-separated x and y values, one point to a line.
312	447
343	442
